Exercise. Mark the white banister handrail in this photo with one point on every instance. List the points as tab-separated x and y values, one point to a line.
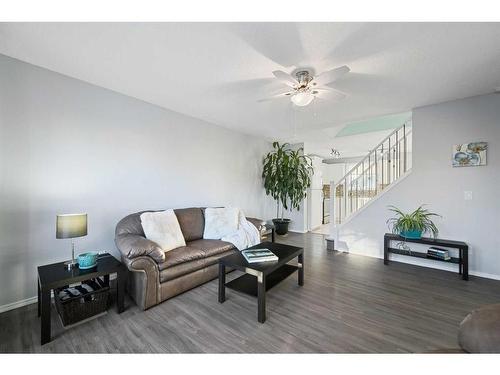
375	148
383	165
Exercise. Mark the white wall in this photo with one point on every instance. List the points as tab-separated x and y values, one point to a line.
67	146
434	181
333	172
315	195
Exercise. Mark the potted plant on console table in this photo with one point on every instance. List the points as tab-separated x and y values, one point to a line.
287	175
414	224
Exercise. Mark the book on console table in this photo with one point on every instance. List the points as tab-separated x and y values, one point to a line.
438	253
259	255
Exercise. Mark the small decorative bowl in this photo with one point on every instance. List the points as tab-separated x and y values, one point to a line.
87	260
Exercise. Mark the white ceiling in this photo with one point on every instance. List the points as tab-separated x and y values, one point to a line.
218	71
351	146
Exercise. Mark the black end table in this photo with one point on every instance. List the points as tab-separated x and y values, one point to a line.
463	251
262	276
56	275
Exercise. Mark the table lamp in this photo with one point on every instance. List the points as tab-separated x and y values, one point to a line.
71	226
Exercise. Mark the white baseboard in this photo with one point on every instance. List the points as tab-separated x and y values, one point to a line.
17	304
297	231
485	275
434	266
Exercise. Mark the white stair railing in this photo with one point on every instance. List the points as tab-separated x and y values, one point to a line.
383	165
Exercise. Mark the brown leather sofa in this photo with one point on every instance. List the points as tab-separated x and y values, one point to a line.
156	276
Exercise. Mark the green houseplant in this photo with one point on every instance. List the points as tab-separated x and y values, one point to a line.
414	224
287	175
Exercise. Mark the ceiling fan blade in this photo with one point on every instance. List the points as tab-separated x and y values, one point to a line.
330	76
329	94
286	78
278	96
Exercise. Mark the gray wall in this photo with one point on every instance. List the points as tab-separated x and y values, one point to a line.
434	181
67	146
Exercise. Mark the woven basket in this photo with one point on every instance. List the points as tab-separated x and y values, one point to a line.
78	308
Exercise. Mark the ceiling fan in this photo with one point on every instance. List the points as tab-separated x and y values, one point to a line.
305	86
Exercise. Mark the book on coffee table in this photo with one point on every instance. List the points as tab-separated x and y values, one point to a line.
259	255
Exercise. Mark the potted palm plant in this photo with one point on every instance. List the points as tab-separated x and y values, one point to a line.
287	175
414	224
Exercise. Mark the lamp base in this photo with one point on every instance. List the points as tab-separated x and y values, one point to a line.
70	264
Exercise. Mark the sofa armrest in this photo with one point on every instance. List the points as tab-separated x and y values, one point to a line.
133	245
258	223
144	280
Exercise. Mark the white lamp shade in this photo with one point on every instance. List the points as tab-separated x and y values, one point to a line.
71	225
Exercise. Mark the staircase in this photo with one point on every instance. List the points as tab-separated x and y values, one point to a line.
384	165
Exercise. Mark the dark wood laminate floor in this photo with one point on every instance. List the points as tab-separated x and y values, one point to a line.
349	303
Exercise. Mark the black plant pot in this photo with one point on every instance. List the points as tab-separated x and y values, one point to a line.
281	226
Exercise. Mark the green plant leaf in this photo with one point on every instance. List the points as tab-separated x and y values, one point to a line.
419	220
287	175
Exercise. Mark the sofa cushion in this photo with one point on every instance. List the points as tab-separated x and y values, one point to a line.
181	255
215	258
211	247
163	228
192	223
220	222
178	270
479	332
182	269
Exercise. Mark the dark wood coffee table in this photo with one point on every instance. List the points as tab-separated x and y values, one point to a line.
260	277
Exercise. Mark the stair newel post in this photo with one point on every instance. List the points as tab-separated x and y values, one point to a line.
363	177
389	163
396	152
404	148
369	179
382	165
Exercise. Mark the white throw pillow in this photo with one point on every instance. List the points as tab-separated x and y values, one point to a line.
163	228
220	222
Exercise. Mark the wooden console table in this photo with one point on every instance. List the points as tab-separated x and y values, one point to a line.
463	251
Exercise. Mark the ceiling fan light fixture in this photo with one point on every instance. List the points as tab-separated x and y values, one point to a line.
302	99
305	85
